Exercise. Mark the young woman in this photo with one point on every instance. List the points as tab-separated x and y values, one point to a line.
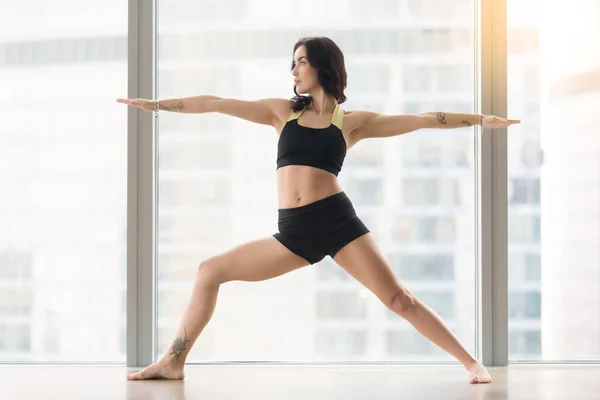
316	217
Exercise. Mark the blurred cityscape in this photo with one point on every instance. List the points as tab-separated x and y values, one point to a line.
63	161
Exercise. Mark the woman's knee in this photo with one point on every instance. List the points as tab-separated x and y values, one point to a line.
402	302
209	272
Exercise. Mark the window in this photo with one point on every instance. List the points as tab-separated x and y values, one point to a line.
64	150
436	229
554	280
436	154
525	344
217	184
16	301
15	339
208	11
374	9
341	343
329	271
208	229
369	79
525	191
424	267
424	229
406	344
531	154
524	267
205	155
436	9
429	191
524	229
368	154
417	79
365	191
71	50
192	192
453	79
524	305
16	266
420	191
332	305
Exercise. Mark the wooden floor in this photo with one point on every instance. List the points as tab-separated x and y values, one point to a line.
300	382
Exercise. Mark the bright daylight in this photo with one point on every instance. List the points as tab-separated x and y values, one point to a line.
302	199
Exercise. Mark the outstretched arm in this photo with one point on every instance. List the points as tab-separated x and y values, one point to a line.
266	111
443	120
373	125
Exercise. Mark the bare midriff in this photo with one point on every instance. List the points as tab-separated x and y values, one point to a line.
299	185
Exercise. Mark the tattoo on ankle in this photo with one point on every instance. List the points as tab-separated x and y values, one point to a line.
179	346
441	117
467	123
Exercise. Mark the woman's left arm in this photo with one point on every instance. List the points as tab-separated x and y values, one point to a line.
375	125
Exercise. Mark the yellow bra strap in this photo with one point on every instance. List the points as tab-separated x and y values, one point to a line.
295	115
338	116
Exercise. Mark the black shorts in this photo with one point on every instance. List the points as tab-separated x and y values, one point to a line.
319	229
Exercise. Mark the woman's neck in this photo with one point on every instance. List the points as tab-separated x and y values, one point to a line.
323	105
322	102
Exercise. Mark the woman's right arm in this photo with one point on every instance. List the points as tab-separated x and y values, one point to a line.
272	112
265	111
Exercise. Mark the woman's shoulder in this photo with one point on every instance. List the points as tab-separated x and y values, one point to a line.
353	118
281	107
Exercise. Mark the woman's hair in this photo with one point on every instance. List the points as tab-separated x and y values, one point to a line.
327	58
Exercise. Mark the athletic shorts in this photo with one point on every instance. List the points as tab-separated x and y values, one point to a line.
319	229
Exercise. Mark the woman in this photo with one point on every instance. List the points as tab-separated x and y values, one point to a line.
316	218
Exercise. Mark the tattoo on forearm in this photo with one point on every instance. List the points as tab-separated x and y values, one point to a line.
441	117
175	106
179	346
467	123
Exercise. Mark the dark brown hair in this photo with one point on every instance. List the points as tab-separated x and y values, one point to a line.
327	58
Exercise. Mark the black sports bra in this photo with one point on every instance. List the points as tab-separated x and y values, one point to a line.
323	148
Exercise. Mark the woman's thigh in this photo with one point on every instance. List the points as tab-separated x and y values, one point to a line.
256	260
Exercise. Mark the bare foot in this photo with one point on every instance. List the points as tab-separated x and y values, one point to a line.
478	373
159	370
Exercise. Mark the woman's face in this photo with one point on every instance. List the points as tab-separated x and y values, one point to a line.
305	76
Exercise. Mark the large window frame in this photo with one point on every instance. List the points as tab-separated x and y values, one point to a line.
491	187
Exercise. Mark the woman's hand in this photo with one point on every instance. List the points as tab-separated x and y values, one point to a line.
491	121
146	105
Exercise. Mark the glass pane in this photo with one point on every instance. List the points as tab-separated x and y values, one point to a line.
554	181
217	180
63	168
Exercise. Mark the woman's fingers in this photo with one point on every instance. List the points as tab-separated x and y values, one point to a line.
131	102
142	104
498	122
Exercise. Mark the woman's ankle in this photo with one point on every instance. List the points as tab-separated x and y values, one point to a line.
470	362
173	359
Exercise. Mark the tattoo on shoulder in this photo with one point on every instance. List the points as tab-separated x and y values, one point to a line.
441	117
179	345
